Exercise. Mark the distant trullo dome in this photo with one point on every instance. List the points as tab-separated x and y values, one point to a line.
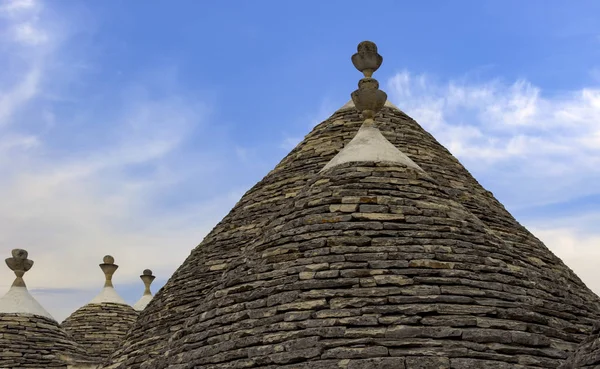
100	326
29	335
368	246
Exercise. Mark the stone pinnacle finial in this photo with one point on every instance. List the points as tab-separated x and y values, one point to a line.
19	264
368	99
108	267
147	278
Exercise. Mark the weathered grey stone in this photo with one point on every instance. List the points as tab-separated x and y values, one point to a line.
427	362
378	363
100	328
32	341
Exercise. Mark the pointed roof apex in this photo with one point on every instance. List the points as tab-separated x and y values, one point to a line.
147	278
108	293
369	144
18	300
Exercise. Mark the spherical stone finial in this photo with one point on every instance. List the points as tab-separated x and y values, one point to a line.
147	278
19	264
108	267
108	259
19	254
367	60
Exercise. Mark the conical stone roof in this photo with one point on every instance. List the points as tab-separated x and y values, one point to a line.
406	267
100	326
29	335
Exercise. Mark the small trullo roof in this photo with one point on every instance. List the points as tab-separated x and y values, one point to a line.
29	335
100	326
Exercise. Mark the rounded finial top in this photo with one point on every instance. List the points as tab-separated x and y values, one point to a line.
19	264
367	60
366	47
108	260
147	272
19	254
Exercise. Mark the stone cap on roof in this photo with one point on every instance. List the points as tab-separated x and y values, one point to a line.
147	278
369	145
100	325
108	293
18	300
29	336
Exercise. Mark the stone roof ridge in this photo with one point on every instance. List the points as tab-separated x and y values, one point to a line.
18	300
108	293
369	145
147	278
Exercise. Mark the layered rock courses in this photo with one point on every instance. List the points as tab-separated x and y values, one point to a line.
365	265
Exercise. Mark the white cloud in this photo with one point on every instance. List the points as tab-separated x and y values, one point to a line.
576	240
24	24
17	95
13	7
28	33
511	133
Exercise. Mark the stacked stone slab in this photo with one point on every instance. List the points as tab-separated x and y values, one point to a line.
101	325
32	341
365	265
587	355
99	328
29	336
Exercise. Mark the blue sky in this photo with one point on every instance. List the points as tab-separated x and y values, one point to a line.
132	127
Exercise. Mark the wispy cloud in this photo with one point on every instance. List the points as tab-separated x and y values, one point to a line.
576	239
95	181
512	133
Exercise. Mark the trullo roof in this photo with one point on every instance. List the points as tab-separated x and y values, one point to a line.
29	335
353	254
101	325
